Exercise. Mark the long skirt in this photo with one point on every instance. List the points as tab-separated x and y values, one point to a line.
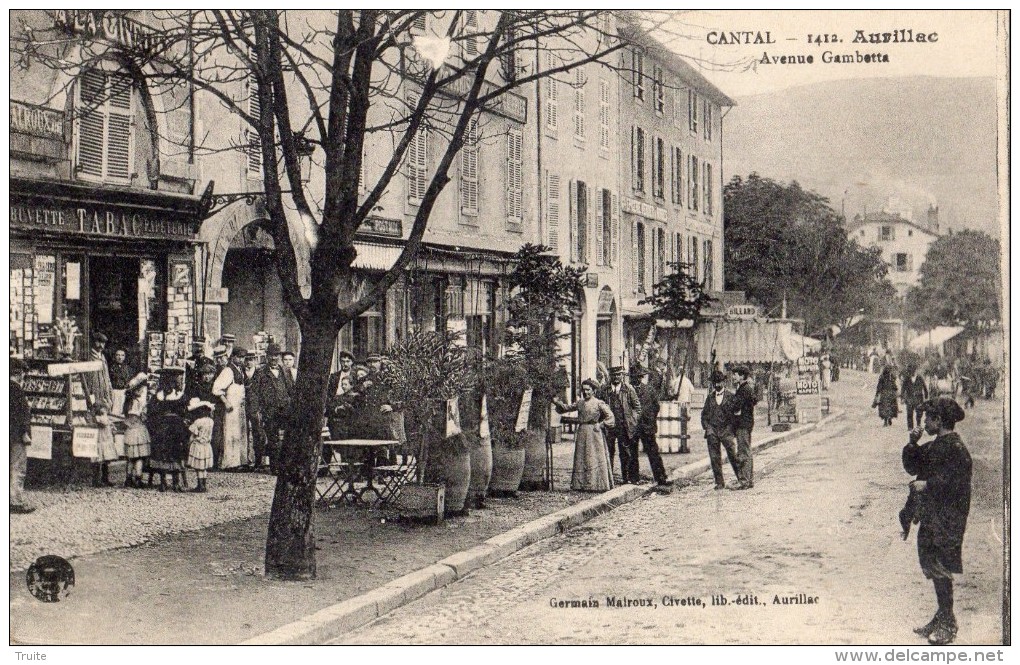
136	438
887	406
591	460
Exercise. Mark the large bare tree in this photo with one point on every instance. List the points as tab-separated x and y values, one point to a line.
328	81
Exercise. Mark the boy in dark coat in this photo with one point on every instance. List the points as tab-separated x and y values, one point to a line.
942	468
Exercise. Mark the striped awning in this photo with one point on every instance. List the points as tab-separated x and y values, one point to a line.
745	341
372	256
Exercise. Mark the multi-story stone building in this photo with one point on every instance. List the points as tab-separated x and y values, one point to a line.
104	211
903	241
670	127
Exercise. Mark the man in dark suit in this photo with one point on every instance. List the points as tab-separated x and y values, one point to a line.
274	393
914	393
649	392
626	408
743	422
717	422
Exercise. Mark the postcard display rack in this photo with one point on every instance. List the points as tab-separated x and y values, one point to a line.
57	396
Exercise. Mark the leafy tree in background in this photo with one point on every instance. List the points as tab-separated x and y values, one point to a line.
782	241
960	283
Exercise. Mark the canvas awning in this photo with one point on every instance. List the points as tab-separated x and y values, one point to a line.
797	345
934	338
747	341
375	257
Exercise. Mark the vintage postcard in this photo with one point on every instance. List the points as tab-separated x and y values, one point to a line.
510	327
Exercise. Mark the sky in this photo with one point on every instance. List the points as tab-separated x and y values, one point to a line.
966	45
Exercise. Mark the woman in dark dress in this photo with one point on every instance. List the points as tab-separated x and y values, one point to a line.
885	396
168	431
941	496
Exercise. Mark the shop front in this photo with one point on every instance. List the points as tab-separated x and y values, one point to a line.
88	260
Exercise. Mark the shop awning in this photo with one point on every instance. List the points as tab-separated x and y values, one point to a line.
797	345
934	338
746	341
375	257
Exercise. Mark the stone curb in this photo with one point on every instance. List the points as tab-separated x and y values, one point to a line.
335	620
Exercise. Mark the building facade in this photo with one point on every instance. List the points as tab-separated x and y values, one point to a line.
104	212
671	127
903	241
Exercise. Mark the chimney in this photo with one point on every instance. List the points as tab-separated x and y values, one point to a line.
933	218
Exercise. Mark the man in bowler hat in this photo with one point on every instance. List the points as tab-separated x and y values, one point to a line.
717	423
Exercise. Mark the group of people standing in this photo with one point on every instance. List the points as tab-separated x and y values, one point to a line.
619	415
913	388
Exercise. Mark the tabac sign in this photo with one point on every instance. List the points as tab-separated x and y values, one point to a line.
105	221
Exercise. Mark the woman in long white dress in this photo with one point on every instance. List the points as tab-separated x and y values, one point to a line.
591	472
229	388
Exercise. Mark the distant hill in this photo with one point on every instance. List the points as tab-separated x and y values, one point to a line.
860	141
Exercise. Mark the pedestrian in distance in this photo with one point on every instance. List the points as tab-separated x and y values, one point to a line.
623	402
593	469
200	455
20	416
942	485
136	435
649	392
914	393
743	424
717	422
885	396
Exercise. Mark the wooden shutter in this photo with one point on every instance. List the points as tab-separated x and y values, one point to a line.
600	226
469	169
417	157
614	257
118	131
572	207
633	158
579	103
255	111
514	175
551	96
471	33
552	211
704	187
589	227
635	259
604	113
91	123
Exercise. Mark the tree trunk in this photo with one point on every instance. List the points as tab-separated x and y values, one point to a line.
290	544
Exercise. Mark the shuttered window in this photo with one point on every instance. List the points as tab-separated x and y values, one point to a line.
552	211
606	227
695	192
552	92
660	246
638	74
604	114
579	221
417	158
695	267
659	90
707	120
637	157
470	33
251	134
692	111
579	103
469	169
677	179
708	188
615	251
105	126
658	169
709	266
514	177
678	107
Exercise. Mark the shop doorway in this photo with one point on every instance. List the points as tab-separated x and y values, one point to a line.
113	302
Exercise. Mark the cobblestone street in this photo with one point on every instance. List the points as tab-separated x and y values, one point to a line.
819	530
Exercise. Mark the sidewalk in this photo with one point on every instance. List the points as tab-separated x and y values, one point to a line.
209	582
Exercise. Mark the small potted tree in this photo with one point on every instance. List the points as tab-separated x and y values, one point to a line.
423	373
544	293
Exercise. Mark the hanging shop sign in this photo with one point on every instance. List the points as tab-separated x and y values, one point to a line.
104	221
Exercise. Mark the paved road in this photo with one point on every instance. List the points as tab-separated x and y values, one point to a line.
818	530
